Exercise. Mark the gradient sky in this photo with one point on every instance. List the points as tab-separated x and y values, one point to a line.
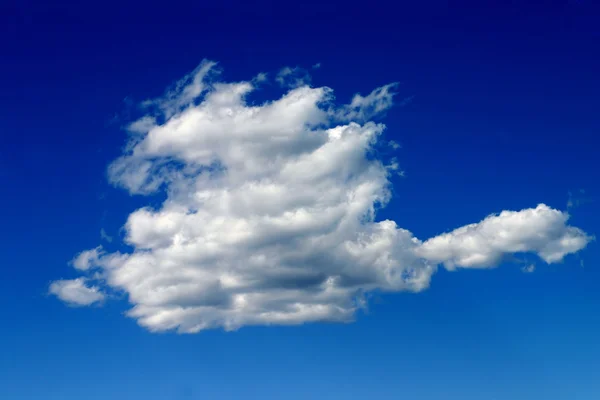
503	116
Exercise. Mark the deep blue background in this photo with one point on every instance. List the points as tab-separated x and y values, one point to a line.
505	115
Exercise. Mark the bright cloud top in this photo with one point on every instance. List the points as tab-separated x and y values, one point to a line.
270	213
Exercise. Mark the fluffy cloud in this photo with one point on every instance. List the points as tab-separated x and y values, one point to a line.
269	216
76	292
84	260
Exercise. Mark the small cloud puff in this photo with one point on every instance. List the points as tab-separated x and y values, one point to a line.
105	236
293	77
87	258
76	292
528	269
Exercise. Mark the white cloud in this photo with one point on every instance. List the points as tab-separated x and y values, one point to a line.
541	230
528	269
394	145
270	213
293	77
76	292
181	94
87	258
105	236
364	108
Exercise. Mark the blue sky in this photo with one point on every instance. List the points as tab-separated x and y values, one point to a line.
502	116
